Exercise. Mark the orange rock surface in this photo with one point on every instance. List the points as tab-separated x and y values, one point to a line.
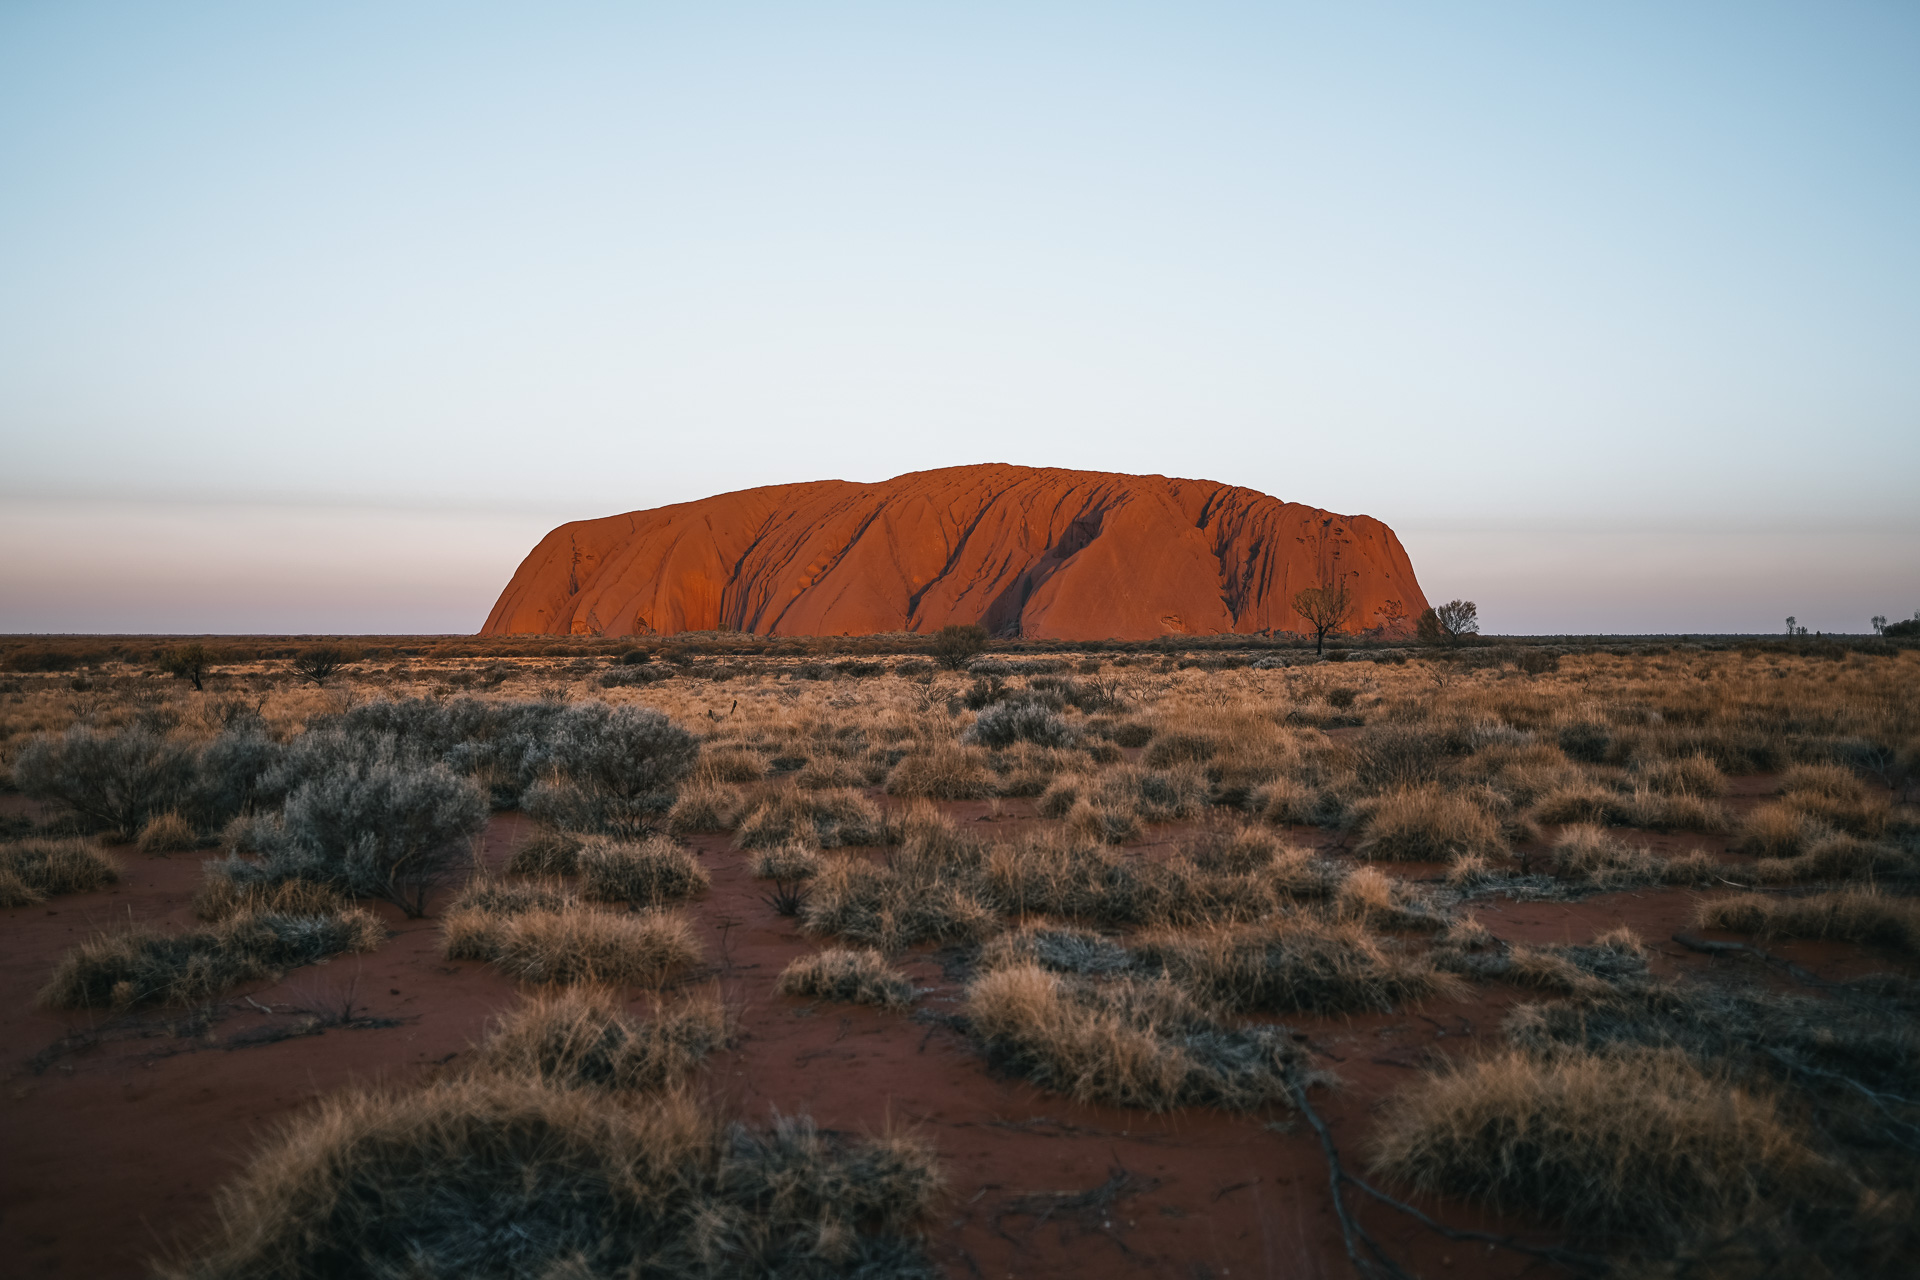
1035	552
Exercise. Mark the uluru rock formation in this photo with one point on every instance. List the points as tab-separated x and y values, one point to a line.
1040	553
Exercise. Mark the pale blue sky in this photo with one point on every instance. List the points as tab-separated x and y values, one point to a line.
316	317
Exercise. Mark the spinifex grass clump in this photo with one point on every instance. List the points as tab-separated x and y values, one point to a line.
31	870
1635	1143
824	819
542	933
649	873
1293	964
1865	915
1127	1042
147	966
582	1037
505	1177
856	975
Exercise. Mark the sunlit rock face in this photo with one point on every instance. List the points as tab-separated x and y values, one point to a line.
1034	552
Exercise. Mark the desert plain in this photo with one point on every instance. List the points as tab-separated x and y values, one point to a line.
720	955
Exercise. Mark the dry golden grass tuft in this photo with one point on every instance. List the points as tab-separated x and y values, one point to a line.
1293	964
729	765
1631	1143
582	1036
1779	830
1588	853
576	944
1690	775
220	898
823	819
1428	824
1835	857
1126	1042
32	870
1865	915
943	771
166	833
856	975
703	809
494	1178
786	862
895	907
652	872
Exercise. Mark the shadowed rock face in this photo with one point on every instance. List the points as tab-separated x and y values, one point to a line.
1034	552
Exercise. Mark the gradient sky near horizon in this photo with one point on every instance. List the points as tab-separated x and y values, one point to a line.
314	318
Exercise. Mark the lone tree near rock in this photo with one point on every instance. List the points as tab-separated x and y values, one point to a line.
321	662
1324	607
189	662
1449	623
956	645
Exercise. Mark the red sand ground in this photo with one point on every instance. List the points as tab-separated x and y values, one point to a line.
1044	552
113	1148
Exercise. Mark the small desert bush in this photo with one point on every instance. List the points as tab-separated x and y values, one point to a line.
1293	965
32	870
946	771
548	853
582	1036
1126	1042
649	873
824	819
858	975
1864	915
117	780
1426	824
1021	720
143	965
1629	1143
574	944
786	862
703	809
499	1179
166	833
610	770
371	824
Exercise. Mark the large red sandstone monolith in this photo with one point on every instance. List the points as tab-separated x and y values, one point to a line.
1035	552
